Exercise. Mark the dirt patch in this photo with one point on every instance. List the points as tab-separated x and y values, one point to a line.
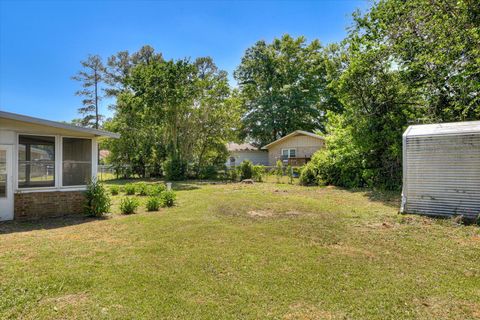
303	311
270	213
67	300
261	213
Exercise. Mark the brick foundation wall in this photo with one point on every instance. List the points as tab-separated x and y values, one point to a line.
36	205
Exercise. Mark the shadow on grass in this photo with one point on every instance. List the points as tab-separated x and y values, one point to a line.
176	185
386	197
7	227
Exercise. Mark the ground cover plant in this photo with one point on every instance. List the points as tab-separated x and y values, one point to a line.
230	251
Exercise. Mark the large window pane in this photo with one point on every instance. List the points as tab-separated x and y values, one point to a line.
77	161
36	161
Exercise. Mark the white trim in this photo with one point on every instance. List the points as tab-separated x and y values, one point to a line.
294	133
50	189
17	143
60	125
93	159
7	203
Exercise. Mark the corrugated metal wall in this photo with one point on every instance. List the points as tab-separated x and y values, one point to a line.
442	174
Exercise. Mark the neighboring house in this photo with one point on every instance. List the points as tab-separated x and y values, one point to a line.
245	151
103	155
44	166
295	148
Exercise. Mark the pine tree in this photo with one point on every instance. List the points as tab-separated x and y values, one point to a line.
91	78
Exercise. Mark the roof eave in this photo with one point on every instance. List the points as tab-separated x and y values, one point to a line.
294	133
59	125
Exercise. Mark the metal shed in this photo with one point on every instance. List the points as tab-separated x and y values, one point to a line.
441	169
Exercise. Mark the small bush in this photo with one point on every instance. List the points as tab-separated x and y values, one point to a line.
233	174
279	170
129	189
155	190
114	190
153	204
258	173
141	188
290	174
209	172
129	205
168	198
246	170
308	175
97	199
174	168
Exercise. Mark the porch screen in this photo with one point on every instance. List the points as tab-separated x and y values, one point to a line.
36	161
77	161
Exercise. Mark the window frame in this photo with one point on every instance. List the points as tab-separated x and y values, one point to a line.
58	163
288	152
91	161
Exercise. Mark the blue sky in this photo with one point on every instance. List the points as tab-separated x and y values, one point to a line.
42	42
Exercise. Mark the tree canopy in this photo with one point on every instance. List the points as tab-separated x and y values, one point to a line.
283	88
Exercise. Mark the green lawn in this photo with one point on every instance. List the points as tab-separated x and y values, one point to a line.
234	251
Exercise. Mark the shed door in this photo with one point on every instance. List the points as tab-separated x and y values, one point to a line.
6	185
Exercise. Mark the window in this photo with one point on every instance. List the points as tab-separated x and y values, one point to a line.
36	161
77	161
289	153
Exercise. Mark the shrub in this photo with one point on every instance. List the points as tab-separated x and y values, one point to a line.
279	170
168	198
308	175
155	190
129	189
129	205
153	204
233	174
246	169
174	168
290	174
208	172
114	190
259	173
97	200
141	188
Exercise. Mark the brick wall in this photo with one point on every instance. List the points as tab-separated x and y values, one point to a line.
36	205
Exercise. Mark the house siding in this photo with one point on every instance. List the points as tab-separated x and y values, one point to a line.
305	147
36	205
256	157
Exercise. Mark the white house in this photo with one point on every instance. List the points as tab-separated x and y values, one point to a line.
245	151
296	148
44	166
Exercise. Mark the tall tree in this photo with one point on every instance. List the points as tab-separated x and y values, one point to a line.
403	62
177	112
283	88
120	65
436	45
90	78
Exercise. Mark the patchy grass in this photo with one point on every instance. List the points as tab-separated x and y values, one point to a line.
235	251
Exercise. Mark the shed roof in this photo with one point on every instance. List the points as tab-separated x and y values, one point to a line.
294	133
55	124
449	128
